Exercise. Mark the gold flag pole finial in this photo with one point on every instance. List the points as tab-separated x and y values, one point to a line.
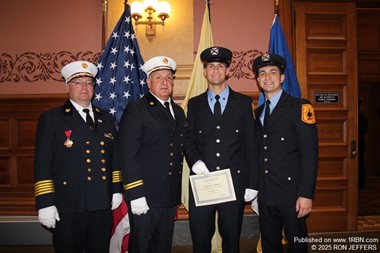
276	8
104	23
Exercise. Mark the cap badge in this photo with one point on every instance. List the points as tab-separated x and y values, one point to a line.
165	60
84	65
214	51
265	57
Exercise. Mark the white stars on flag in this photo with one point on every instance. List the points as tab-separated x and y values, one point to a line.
118	81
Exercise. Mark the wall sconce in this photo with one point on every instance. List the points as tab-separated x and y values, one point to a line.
150	6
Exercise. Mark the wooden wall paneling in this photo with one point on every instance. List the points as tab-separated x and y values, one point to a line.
326	57
18	121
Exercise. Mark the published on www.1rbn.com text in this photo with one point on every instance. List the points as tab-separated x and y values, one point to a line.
341	244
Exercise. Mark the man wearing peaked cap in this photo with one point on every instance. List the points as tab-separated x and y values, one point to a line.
159	63
220	137
152	138
78	69
288	159
216	54
77	177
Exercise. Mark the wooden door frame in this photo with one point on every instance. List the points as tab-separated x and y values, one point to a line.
286	14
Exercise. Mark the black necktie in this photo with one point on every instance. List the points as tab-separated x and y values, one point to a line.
267	113
89	120
167	106
217	109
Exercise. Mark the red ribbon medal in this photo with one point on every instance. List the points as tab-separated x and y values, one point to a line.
68	142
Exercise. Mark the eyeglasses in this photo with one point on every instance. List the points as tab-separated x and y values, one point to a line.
79	84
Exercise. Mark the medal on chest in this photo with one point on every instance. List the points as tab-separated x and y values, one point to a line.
68	142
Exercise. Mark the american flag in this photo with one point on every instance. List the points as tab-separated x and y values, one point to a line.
120	80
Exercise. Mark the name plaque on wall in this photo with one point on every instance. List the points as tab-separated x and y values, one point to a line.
327	97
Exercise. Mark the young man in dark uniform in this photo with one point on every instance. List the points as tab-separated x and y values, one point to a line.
288	159
221	136
77	176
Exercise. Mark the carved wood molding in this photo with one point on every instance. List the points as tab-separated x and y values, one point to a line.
241	65
32	66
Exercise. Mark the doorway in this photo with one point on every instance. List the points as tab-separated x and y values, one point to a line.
368	27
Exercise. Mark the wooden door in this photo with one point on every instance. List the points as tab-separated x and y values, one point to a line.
326	64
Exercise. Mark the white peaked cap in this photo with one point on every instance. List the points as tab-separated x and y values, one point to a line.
78	69
159	63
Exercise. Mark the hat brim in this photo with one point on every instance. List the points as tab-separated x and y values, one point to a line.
80	74
281	67
160	68
217	59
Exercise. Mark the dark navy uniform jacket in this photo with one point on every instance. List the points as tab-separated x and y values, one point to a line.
228	142
152	151
288	152
81	177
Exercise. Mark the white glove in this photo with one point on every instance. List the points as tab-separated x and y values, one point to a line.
250	194
117	198
200	168
139	206
255	206
48	215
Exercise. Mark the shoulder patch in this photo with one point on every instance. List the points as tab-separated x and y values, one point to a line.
308	115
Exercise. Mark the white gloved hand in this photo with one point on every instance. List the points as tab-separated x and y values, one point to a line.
200	168
250	194
255	206
48	215
139	206
117	198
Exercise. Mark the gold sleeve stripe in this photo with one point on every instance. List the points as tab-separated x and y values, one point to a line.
43	187
117	176
133	184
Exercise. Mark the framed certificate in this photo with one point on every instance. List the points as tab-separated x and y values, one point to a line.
213	189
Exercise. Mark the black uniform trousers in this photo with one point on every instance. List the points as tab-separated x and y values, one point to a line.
90	230
273	219
152	232
202	225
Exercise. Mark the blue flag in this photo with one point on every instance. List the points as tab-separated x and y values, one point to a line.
120	79
278	45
